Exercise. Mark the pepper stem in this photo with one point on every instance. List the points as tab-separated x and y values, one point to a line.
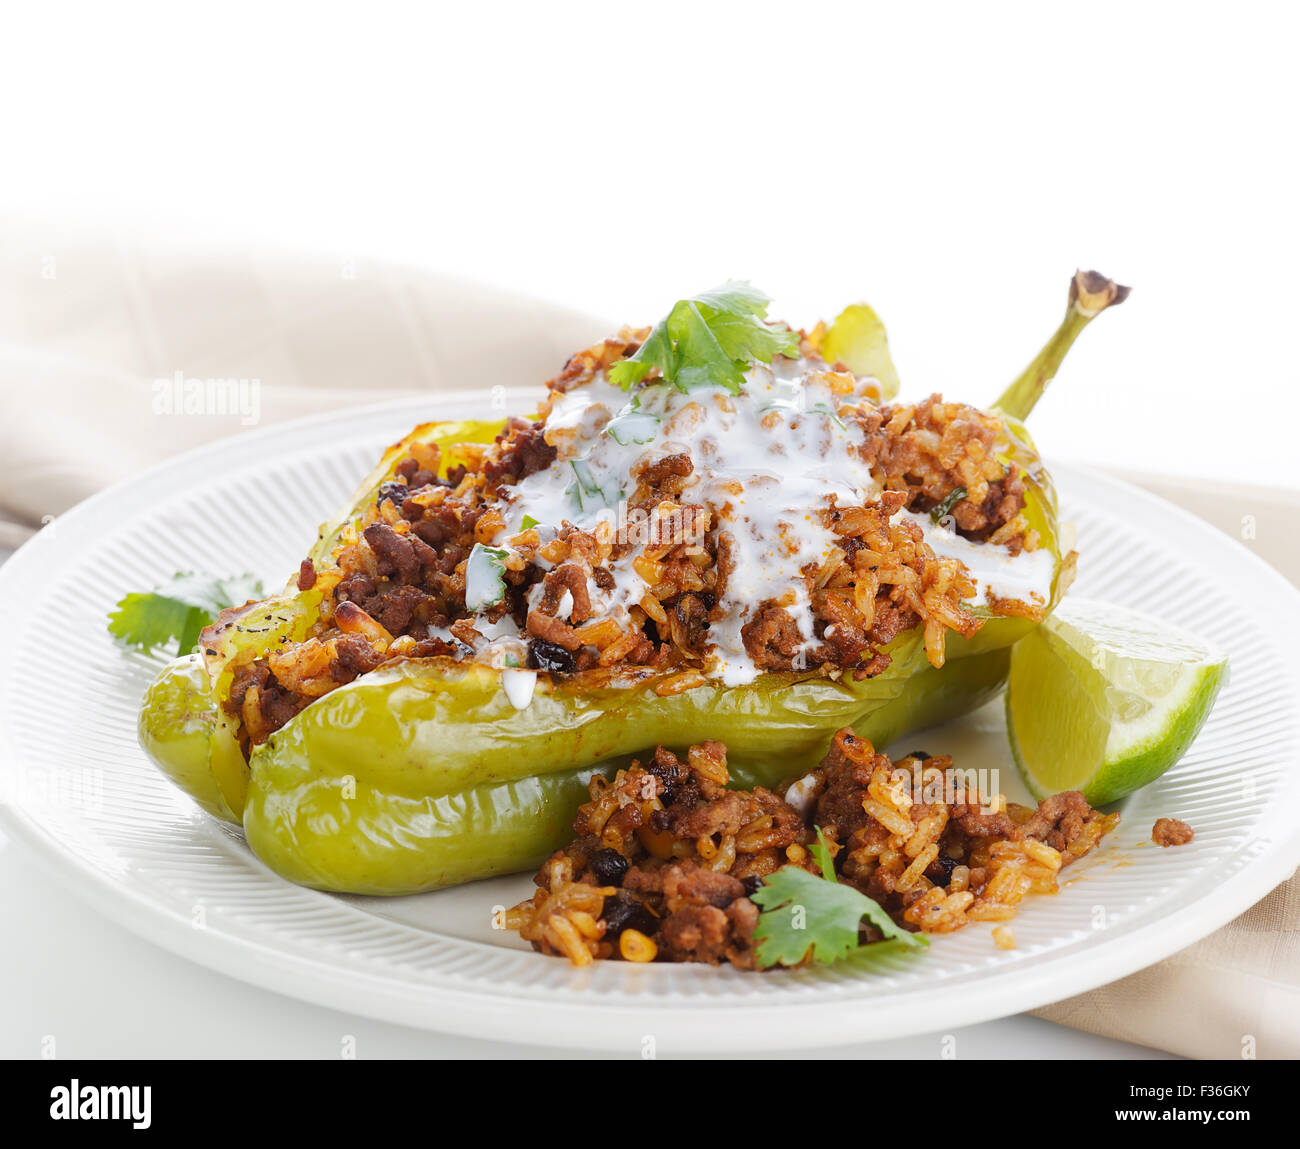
1090	294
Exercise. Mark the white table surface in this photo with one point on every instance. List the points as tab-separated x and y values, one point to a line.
73	975
75	982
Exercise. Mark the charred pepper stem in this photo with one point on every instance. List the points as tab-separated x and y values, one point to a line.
1090	294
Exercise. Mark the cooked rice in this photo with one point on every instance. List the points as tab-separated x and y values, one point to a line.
667	851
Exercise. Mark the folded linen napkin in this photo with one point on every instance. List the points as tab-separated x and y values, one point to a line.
116	353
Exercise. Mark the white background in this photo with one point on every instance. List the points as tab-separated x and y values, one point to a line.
952	163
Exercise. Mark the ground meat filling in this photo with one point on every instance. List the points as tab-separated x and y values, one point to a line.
524	451
666	856
677	853
1171	832
401	564
929	449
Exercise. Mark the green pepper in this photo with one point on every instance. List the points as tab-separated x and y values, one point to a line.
178	729
364	792
423	774
368	796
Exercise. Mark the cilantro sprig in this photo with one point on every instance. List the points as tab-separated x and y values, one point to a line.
803	914
178	610
711	339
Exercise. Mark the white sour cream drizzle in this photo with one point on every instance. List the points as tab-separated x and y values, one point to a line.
519	686
801	795
995	571
766	462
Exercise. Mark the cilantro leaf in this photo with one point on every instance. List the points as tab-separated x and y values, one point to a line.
485	584
178	610
588	492
701	359
821	854
656	351
633	426
830	413
737	296
802	913
944	509
709	340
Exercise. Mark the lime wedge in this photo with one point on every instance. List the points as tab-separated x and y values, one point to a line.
1104	700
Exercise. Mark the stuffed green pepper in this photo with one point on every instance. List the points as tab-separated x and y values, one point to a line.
716	528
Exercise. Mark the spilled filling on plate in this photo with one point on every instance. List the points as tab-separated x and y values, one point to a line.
670	865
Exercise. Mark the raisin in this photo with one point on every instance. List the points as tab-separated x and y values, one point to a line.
543	655
608	867
940	870
624	912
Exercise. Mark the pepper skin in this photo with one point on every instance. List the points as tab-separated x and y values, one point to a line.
178	723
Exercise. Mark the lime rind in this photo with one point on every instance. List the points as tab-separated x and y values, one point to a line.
1104	700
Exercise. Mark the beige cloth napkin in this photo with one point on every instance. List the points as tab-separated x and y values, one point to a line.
1237	992
89	325
100	334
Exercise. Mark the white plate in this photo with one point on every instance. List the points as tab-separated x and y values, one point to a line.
80	790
